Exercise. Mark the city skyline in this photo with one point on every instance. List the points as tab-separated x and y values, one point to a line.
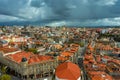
60	12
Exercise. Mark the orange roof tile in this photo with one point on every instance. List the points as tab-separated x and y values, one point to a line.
90	48
72	51
68	71
92	61
18	43
88	56
67	54
61	58
38	42
104	47
39	58
98	75
18	56
32	58
85	62
7	49
116	61
98	58
117	49
107	57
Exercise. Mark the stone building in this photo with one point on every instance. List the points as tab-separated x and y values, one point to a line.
27	65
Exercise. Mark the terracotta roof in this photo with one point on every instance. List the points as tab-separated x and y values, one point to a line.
75	45
38	58
38	42
111	67
107	57
92	61
7	49
32	58
18	56
87	57
98	29
61	58
90	48
58	46
74	49
68	71
116	61
67	54
117	49
104	47
98	58
98	75
85	62
18	43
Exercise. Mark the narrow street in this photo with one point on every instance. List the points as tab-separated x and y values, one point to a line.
80	62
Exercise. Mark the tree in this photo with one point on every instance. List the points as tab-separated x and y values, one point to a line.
3	69
5	77
53	77
32	50
70	41
81	44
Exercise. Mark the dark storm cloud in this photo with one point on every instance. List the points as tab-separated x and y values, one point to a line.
11	7
80	9
50	11
36	3
59	7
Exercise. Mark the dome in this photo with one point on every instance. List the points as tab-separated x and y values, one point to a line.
68	70
24	59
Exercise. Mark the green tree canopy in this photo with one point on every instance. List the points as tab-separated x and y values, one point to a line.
32	50
3	69
81	44
5	77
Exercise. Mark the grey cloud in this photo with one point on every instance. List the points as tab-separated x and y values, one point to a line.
59	8
84	9
37	3
11	7
48	11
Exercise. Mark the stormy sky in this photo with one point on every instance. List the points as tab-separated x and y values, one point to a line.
60	12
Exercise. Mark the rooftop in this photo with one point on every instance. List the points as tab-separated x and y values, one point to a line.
68	70
98	75
8	49
31	58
